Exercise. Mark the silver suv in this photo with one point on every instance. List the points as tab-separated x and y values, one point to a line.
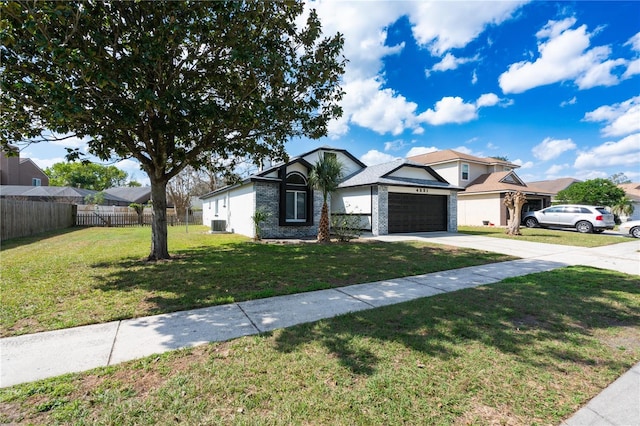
585	219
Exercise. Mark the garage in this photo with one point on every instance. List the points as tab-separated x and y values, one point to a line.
417	212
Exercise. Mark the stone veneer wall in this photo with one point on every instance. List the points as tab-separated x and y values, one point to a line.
380	210
268	198
453	212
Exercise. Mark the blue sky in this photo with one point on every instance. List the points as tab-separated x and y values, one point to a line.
553	86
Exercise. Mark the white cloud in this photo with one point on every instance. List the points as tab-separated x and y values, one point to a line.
43	163
551	148
625	152
563	55
634	42
556	169
394	145
374	157
571	101
449	110
621	119
523	164
69	141
439	25
488	99
454	110
450	62
368	105
419	150
442	26
633	68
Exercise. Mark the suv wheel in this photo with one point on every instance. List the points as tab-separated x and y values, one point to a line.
530	222
635	232
584	227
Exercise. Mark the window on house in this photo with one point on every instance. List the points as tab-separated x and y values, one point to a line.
217	205
465	172
36	182
330	155
296	198
296	206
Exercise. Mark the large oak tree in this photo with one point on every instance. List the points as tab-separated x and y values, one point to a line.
169	83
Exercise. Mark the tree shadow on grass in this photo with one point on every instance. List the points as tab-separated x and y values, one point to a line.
206	276
543	319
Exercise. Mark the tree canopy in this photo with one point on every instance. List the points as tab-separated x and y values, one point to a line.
599	192
168	83
86	175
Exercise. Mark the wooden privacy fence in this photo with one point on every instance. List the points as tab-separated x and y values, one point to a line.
20	218
120	220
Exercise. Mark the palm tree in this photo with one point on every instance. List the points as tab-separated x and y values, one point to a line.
325	176
624	207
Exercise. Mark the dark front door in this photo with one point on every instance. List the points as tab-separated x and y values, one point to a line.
417	212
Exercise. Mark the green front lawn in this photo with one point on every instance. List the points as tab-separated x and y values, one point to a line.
549	236
529	350
96	275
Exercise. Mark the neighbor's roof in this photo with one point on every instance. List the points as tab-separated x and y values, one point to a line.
632	190
379	175
51	192
447	155
139	194
501	182
554	185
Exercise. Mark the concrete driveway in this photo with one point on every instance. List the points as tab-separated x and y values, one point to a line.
622	257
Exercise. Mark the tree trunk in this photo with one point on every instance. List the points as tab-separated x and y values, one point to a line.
514	202
323	227
159	246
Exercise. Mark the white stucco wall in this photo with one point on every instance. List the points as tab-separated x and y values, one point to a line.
473	209
235	206
353	201
449	172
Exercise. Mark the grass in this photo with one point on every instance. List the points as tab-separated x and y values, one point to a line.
97	275
549	236
529	350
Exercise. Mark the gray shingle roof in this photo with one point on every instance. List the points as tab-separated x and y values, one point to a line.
379	175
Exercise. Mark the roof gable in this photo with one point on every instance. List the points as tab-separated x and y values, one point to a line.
397	173
449	155
501	182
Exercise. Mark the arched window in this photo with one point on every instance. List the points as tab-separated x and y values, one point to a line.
296	198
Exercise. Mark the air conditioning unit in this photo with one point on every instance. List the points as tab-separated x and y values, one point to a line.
218	225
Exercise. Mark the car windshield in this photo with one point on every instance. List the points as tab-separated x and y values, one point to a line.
602	210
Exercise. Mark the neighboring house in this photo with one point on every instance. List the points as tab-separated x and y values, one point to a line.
20	171
400	196
554	186
486	181
632	190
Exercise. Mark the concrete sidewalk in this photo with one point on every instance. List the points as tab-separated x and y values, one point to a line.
37	356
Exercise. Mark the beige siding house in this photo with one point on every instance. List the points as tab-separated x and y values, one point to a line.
485	181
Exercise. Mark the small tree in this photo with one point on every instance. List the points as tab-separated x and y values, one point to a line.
623	208
258	217
514	202
139	208
325	176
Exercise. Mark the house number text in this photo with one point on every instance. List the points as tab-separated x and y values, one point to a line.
422	190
